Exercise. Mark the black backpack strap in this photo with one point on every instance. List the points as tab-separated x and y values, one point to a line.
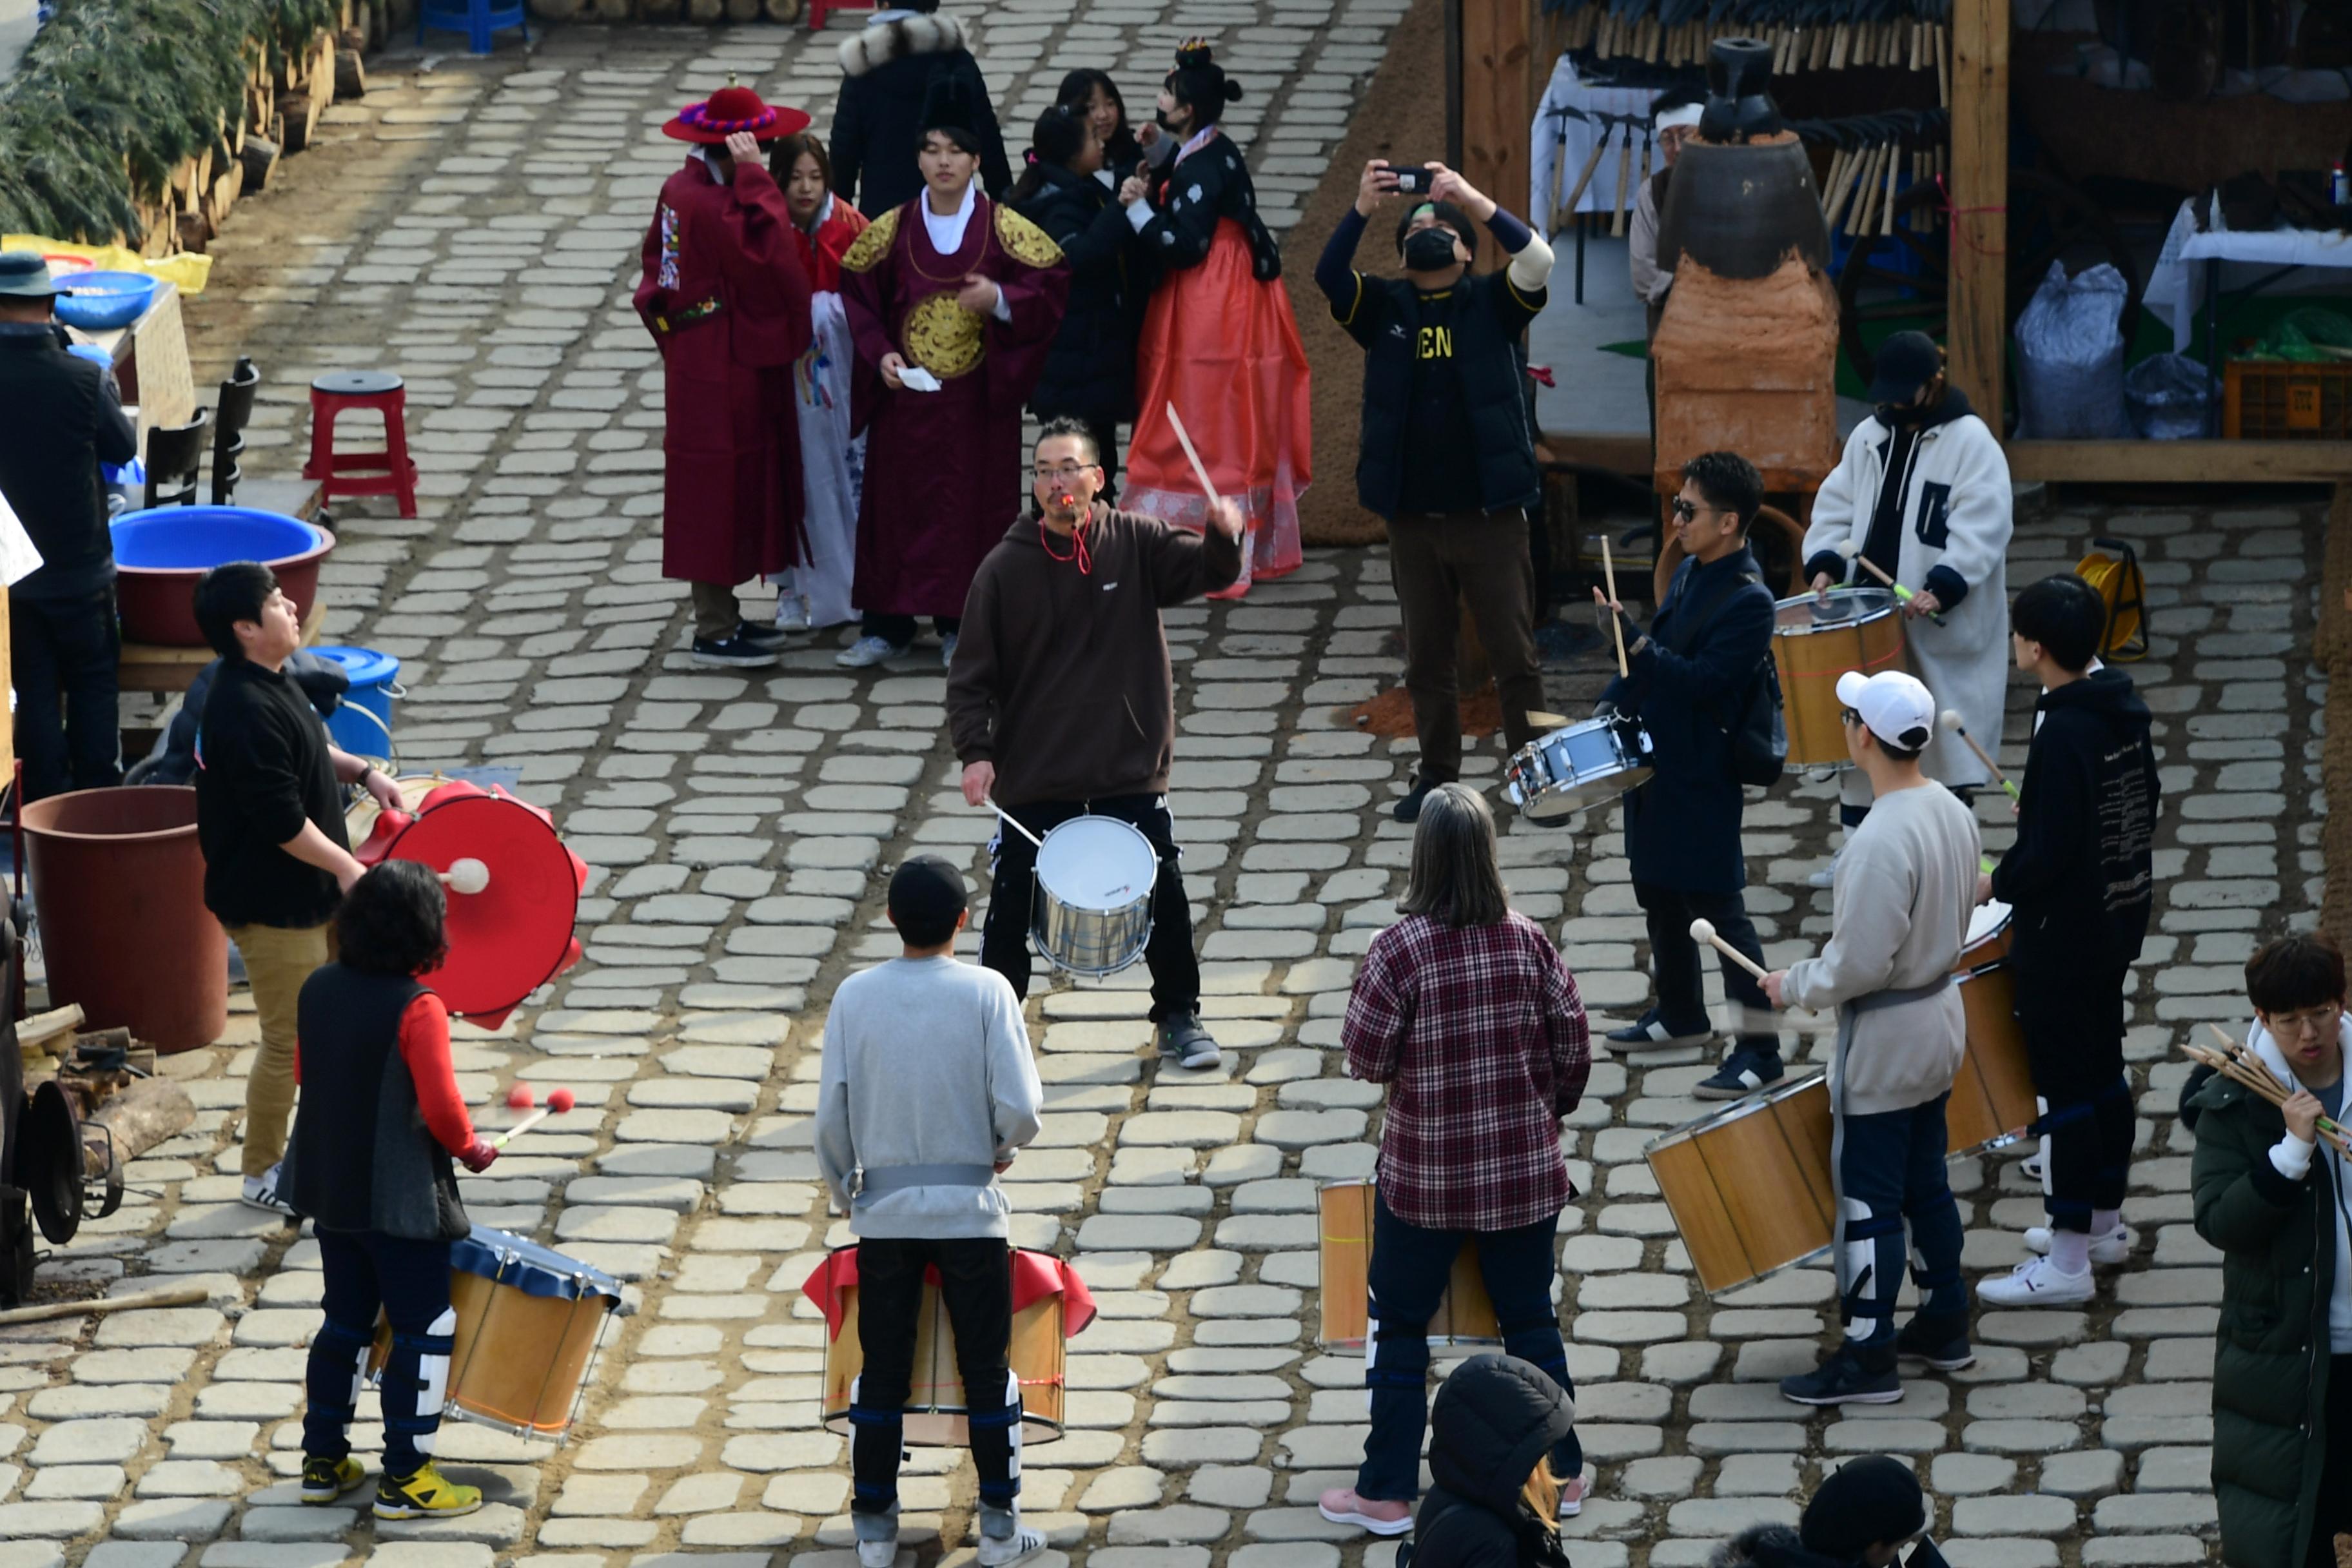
1687	636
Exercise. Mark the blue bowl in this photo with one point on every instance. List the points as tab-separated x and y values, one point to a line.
101	301
159	553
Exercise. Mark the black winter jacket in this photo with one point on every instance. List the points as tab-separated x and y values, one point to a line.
1189	197
1769	1546
1682	829
2271	1362
1492	1420
886	73
2081	878
1090	370
62	422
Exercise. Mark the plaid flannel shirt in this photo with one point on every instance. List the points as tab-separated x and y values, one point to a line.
1480	1035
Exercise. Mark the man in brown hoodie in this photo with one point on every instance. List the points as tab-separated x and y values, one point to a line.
1061	702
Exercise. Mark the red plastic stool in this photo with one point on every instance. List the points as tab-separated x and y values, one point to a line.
819	9
387	473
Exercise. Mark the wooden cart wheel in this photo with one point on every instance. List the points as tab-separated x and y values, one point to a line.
2049	220
1774	536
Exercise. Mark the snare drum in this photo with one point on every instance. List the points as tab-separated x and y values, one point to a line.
1092	911
1583	765
1814	643
1992	1099
1465	1315
529	1321
1750	1187
935	1403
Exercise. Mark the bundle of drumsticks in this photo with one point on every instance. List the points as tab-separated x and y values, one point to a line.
2237	1063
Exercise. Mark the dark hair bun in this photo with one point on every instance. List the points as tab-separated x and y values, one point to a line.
1233	91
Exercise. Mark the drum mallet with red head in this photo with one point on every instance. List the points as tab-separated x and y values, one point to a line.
1950	719
1853	551
1704	931
559	1100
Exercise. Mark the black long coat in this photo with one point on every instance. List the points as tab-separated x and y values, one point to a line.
1090	371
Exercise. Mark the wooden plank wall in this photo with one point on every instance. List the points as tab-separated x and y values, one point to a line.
1501	82
1979	229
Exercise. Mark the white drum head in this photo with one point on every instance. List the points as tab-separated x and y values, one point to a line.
1986	918
1098	863
1807	613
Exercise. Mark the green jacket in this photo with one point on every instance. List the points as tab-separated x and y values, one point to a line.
2269	1367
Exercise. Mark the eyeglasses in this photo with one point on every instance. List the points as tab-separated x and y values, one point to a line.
1849	715
1067	472
2310	1021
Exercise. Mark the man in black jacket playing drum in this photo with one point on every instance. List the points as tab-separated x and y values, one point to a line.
2080	883
1448	454
1709	642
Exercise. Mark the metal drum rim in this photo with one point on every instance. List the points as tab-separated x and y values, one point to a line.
1888	605
1134	832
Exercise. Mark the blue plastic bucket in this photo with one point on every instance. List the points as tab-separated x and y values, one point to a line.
361	723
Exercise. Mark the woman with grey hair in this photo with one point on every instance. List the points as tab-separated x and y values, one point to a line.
1465	1010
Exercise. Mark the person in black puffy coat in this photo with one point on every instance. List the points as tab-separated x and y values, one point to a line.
888	71
1862	1515
1090	371
1496	1501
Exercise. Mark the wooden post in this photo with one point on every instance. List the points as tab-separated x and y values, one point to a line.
1493	98
1979	191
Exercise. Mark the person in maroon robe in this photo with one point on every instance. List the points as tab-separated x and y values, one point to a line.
954	302
727	300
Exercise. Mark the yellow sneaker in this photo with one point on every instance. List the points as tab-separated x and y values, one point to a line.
424	1494
324	1480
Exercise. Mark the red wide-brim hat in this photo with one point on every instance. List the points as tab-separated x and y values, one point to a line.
728	111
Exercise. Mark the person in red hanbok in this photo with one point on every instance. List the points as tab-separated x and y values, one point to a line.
727	300
1219	338
953	301
815	594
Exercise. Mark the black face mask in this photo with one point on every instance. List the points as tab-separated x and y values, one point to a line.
1429	250
1896	416
1166	124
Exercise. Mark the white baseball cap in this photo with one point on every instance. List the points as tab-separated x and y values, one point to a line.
1895	706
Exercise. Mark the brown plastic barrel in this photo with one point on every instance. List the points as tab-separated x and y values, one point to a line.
118	899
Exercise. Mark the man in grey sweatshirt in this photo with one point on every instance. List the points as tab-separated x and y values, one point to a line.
1899	914
925	1092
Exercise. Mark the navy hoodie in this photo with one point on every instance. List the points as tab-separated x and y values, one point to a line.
2081	878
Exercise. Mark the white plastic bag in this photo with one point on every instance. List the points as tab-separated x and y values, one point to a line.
2069	358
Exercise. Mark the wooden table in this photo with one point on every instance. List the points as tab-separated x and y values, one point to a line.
151	362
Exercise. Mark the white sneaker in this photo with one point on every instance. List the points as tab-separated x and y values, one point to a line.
2113	1248
261	1192
791	611
867	652
2030	1167
997	1550
877	1553
1824	878
947	651
2037	1283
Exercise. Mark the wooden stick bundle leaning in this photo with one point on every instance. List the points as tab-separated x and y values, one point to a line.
2233	1061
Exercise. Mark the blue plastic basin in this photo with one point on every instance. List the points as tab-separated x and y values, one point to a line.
160	552
101	301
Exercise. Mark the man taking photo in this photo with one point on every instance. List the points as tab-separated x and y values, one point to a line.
1448	453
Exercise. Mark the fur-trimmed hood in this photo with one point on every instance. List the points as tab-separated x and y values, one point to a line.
1768	1546
879	43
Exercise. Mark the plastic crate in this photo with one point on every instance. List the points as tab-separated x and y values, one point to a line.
2275	400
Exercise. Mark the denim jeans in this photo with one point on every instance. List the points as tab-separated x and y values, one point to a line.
1410	1269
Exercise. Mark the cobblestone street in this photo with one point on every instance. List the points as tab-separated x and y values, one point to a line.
475	226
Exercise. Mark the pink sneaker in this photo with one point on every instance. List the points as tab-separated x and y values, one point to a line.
1571	1498
1342	1506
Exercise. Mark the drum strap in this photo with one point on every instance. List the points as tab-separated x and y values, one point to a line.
873	1181
1877	999
2076	1111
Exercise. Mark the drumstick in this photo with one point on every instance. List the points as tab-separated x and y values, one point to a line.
1950	719
1184	439
557	1102
2234	1063
1616	615
1853	551
1704	931
1008	816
